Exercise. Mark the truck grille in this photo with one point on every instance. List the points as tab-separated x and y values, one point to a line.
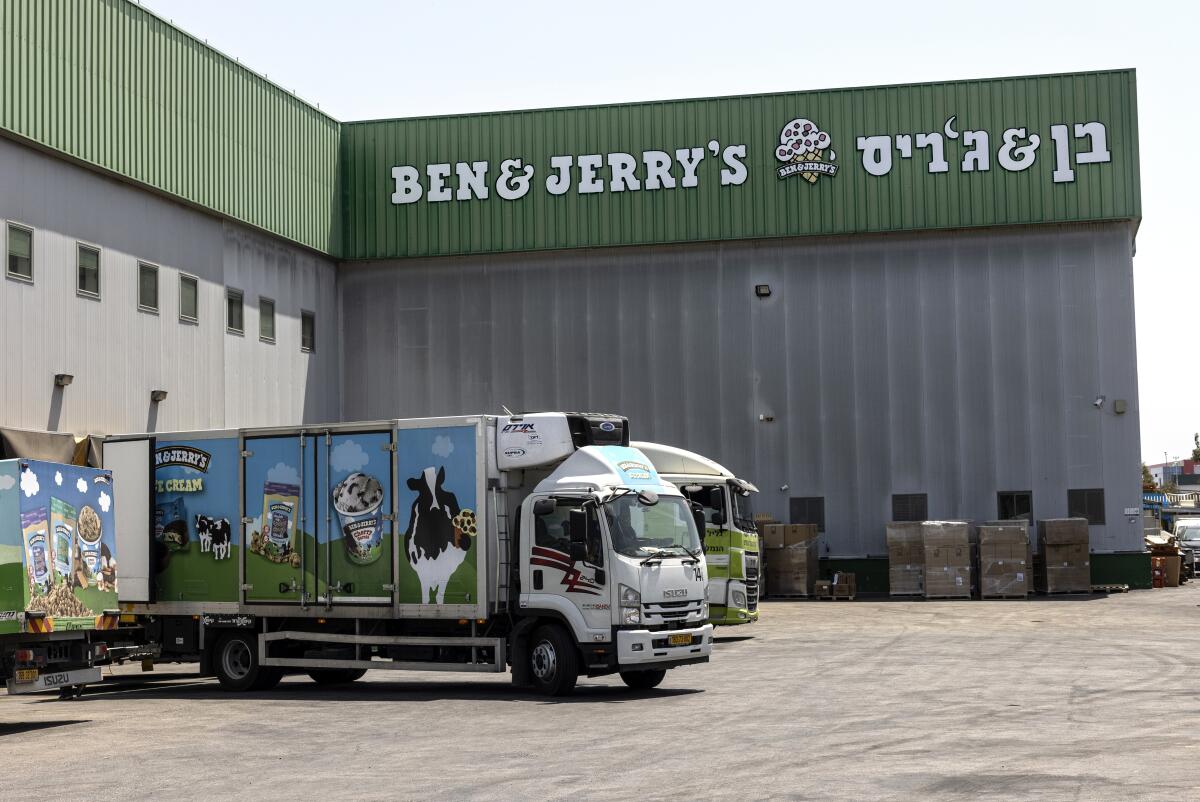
671	615
751	582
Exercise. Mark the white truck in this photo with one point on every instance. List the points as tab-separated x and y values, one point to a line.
543	542
731	539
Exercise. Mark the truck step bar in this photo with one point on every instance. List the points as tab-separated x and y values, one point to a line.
499	664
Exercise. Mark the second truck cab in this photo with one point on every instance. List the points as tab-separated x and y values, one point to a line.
731	541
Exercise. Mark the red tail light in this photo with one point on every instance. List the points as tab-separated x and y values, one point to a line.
23	655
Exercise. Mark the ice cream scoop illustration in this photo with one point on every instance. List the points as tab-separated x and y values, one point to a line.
802	141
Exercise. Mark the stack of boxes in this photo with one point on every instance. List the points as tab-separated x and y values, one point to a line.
1064	562
947	548
906	558
791	558
1004	560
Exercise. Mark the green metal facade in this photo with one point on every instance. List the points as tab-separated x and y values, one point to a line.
111	85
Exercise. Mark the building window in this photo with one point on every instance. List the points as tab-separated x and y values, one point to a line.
234	312
1086	504
910	507
20	252
808	510
266	319
189	299
147	287
308	332
88	261
1012	504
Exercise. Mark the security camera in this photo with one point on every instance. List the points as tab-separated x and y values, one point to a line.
1099	402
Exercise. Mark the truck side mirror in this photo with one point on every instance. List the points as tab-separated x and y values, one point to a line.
578	547
698	515
544	506
718	519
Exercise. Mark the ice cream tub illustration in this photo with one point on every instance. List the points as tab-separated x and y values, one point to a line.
279	520
357	500
62	527
37	548
89	532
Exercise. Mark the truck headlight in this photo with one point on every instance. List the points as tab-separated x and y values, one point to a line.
739	599
631	615
630	597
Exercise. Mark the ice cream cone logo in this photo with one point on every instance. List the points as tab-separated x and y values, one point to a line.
804	151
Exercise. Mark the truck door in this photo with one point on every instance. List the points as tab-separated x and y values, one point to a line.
279	509
355	553
552	579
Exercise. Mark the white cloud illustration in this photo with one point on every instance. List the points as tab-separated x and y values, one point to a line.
348	457
7	482
58	478
443	446
283	474
29	483
105	501
81	485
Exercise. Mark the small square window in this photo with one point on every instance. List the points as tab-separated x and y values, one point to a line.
266	319
234	312
910	507
189	299
88	261
308	332
1011	504
147	287
808	510
1086	504
20	252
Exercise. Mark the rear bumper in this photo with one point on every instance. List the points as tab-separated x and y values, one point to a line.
50	680
646	649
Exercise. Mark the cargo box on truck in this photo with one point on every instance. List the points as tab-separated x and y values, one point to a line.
539	541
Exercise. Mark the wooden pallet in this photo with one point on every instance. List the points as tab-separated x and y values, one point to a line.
1064	592
944	597
918	595
1110	588
1022	596
836	598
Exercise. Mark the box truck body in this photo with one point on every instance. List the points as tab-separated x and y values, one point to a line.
463	543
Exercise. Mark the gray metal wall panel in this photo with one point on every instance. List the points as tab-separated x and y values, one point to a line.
116	353
955	364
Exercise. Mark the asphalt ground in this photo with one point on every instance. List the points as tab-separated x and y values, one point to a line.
1080	698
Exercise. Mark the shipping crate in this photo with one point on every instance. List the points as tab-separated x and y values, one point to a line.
842	586
947	550
791	559
906	558
1063	563
823	589
1005	562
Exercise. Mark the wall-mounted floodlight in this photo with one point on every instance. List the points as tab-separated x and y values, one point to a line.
158	396
762	290
63	379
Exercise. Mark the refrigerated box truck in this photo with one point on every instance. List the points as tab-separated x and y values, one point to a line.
731	545
58	575
543	542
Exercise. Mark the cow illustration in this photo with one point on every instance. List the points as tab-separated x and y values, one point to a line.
215	535
433	544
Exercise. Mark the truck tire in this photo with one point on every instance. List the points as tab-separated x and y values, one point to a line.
336	676
235	662
553	661
643	680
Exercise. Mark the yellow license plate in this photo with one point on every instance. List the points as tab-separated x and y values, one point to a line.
679	640
27	674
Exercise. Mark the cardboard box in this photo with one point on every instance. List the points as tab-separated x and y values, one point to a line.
778	536
823	589
906	558
947	548
1005	562
1063	563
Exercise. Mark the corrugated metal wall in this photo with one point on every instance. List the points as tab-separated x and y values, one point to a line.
956	365
110	84
117	353
907	198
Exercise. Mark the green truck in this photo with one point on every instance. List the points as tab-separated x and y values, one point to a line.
731	540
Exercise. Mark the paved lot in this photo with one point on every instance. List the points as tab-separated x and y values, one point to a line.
1085	699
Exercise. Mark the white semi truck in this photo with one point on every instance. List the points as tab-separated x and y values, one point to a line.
731	541
540	542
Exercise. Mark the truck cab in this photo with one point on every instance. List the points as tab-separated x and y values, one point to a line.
731	538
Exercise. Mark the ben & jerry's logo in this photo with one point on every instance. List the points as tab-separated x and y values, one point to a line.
804	150
186	456
635	470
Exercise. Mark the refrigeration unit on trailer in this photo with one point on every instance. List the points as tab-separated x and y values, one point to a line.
541	542
58	580
731	545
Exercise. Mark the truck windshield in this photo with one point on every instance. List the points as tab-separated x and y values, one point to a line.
743	515
639	531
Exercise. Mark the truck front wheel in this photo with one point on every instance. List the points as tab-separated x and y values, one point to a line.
236	664
553	661
643	680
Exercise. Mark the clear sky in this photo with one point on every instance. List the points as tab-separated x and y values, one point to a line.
363	59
